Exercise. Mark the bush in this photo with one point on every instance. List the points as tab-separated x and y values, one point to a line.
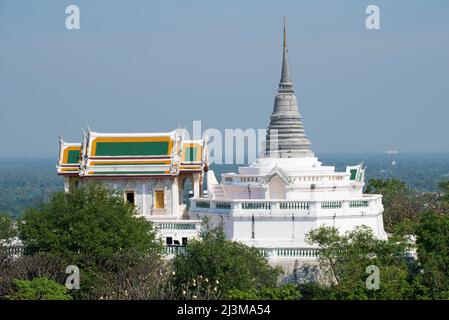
91	220
39	289
232	264
432	240
7	229
28	268
88	227
132	277
287	292
344	260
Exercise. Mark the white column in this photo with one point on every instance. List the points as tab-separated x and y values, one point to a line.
196	185
66	184
144	198
175	197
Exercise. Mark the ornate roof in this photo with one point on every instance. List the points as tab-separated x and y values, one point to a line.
133	154
69	157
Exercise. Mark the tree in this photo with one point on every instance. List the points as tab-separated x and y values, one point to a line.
432	241
7	228
133	277
400	202
86	227
231	264
287	292
344	260
91	220
444	187
39	289
28	268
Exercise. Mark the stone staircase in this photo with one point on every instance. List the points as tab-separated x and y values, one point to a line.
217	191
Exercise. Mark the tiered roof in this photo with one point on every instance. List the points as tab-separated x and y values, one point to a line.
285	135
69	157
136	154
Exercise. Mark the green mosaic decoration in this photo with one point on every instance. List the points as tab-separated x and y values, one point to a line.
152	148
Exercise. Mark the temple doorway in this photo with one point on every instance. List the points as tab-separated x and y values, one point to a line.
276	188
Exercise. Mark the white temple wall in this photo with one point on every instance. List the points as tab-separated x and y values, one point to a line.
286	230
303	192
144	193
281	231
344	224
214	220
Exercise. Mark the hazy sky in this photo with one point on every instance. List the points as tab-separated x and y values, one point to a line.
147	66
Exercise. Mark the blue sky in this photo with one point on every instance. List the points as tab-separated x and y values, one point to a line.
149	66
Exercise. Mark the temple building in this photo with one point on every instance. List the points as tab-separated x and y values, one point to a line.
150	170
271	204
274	202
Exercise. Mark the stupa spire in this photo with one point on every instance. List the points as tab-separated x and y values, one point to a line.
285	84
285	135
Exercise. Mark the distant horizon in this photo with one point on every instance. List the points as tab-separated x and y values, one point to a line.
47	157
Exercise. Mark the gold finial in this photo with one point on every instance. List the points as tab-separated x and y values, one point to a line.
285	31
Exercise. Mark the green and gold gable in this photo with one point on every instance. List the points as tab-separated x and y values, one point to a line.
140	154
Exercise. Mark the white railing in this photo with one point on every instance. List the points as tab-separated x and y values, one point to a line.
245	206
331	205
358	204
176	226
269	253
174	250
289	253
11	250
294	206
256	205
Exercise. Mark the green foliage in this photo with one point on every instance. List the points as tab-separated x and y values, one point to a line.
7	229
87	227
131	277
26	183
287	292
432	240
344	259
233	264
90	220
400	202
28	268
390	186
200	288
444	187
119	258
39	289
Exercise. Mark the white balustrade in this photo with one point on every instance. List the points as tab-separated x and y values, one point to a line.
247	206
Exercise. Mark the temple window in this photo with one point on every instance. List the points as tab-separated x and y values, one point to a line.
353	174
130	196
159	199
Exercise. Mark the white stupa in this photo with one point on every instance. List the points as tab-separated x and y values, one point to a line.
273	203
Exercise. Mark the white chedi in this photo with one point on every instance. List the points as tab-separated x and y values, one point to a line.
273	203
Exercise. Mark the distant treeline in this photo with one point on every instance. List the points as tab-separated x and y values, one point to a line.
27	183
